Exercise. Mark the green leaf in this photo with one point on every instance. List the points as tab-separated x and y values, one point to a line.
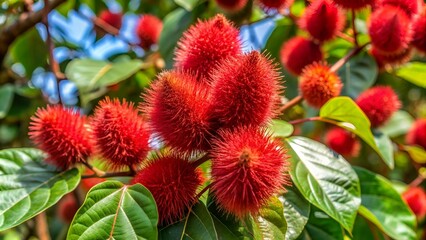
350	116
414	72
383	206
271	221
6	99
175	23
358	74
113	210
418	154
325	179
24	52
28	186
197	225
384	144
280	128
398	124
363	231
296	212
320	226
91	74
187	4
284	30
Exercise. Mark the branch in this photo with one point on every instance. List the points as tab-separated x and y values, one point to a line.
41	226
291	104
355	32
346	58
25	22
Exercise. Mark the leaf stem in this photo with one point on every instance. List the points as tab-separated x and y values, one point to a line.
203	191
291	103
201	160
355	31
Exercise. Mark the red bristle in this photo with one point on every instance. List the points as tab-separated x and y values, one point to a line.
248	167
120	133
299	52
205	44
355	4
113	19
177	107
417	133
384	60
410	7
62	134
245	91
379	104
419	38
415	197
173	182
343	142
148	30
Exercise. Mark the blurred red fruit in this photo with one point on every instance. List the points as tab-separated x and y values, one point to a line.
379	104
390	30
173	182
415	197
354	4
275	4
177	106
318	84
323	20
417	133
342	142
299	52
67	208
248	167
62	134
419	38
396	59
148	30
245	91
88	183
205	44
119	133
232	5
113	19
410	7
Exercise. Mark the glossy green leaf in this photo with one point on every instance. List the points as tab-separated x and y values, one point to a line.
383	206
6	99
187	4
416	153
271	221
364	231
358	74
296	212
280	128
174	24
414	72
320	226
384	144
197	225
24	52
349	116
90	74
113	210
325	179
28	186
398	124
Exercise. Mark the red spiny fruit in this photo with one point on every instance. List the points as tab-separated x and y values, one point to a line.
395	59
177	107
232	5
275	4
390	29
248	167
62	134
415	197
119	133
417	133
419	38
343	142
245	91
299	52
148	30
113	19
318	84
378	103
411	7
354	4
323	20
173	182
88	183
67	208
205	44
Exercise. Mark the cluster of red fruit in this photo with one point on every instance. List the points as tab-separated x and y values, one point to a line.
148	28
216	103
